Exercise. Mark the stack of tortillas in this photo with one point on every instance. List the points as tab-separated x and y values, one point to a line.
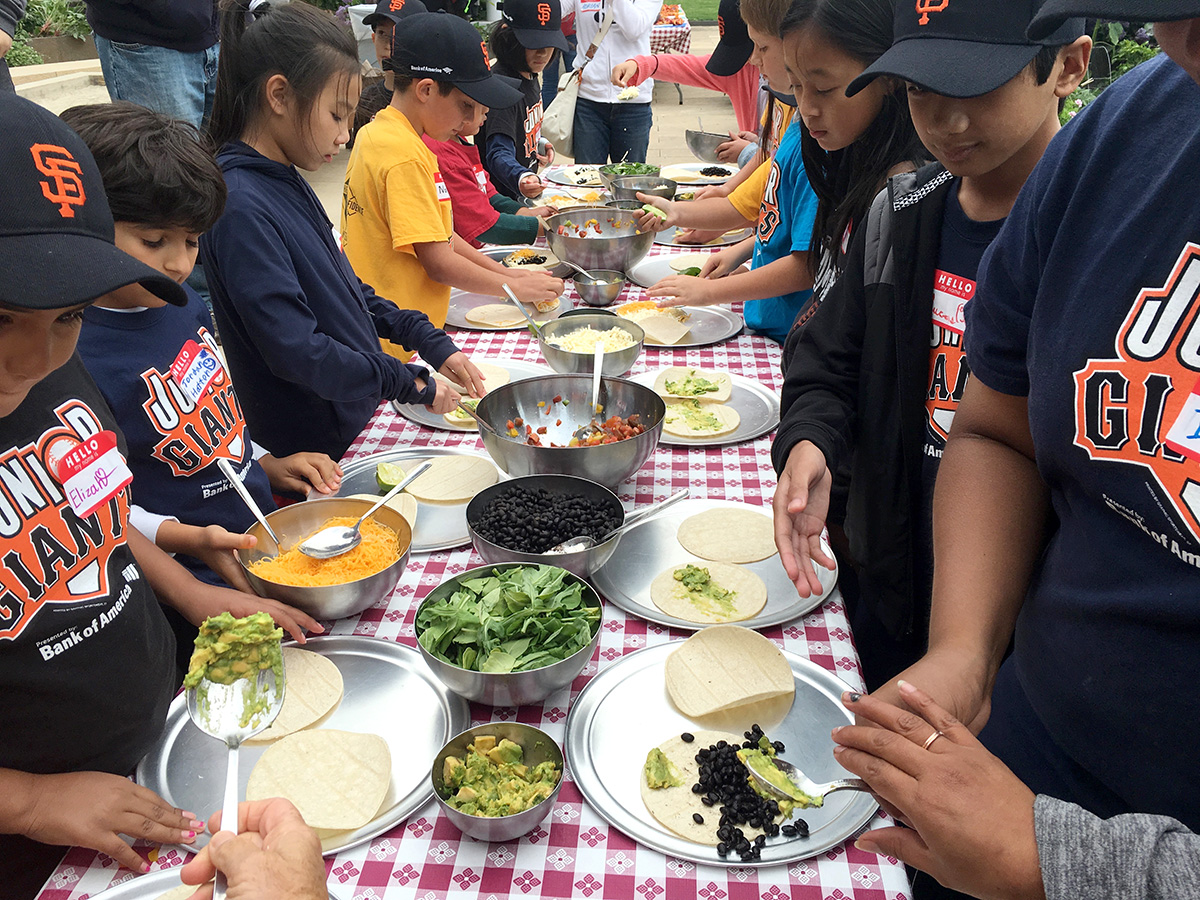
454	479
314	687
725	666
494	315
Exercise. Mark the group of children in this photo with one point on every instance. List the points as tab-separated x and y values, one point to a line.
900	175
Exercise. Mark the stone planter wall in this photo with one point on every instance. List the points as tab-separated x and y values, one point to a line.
64	49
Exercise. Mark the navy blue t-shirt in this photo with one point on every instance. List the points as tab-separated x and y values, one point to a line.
174	441
1089	306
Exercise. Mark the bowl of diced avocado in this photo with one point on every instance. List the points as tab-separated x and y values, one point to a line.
498	782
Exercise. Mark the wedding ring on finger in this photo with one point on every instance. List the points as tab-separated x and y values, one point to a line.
929	740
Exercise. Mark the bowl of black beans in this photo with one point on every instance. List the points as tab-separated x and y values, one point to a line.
521	519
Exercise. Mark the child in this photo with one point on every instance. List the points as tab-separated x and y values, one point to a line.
482	215
866	386
382	22
86	667
300	331
165	190
523	44
396	216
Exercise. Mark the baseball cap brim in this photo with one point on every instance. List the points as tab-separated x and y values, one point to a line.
378	19
1054	12
730	57
949	67
491	92
72	269
538	38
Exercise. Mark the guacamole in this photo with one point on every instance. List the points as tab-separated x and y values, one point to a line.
761	761
703	591
660	771
228	649
692	385
494	781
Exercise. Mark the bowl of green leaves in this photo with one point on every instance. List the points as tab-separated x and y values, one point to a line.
542	626
623	169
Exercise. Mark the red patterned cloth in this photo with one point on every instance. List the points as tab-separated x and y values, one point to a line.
667	36
574	853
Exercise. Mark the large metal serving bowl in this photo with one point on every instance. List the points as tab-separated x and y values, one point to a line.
606	464
538	747
629	187
619	246
298	521
568	362
608	173
507	688
703	144
582	562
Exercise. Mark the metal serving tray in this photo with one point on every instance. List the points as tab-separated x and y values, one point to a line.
423	415
755	403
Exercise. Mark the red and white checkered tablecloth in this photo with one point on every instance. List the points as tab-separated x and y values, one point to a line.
574	853
666	37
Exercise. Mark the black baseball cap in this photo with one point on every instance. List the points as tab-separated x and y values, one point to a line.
393	11
56	230
536	23
1053	12
963	48
734	48
446	48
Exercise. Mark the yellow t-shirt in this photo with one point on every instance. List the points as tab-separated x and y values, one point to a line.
747	196
394	198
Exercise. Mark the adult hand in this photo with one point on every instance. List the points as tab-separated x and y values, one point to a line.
972	818
722	263
531	186
206	600
459	369
956	679
93	810
273	855
622	72
301	472
684	290
535	287
217	548
648	221
731	150
800	506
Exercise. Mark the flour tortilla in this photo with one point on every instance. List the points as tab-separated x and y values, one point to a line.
675	373
682	174
494	315
337	779
456	418
729	535
687	260
181	893
494	376
454	479
662	328
550	263
726	666
402	503
750	595
314	687
727	419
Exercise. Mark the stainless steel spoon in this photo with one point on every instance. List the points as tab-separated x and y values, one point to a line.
227	470
597	374
219	710
478	419
581	270
587	542
805	785
338	539
537	329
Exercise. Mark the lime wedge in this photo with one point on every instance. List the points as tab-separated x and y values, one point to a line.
388	475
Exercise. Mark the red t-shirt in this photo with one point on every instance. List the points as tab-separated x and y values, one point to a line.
469	186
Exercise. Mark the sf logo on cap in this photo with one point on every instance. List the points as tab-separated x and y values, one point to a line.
543	11
63	183
925	7
396	5
721	26
483	47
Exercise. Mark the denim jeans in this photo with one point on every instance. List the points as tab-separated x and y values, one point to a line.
168	81
620	131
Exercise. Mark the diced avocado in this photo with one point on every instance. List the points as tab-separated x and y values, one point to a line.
466	794
484	743
660	771
505	752
453	770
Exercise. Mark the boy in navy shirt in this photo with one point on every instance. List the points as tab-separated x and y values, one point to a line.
876	374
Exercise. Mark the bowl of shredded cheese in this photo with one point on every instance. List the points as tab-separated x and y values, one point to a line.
331	588
569	345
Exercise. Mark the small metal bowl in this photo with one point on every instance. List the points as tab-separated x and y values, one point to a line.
568	362
602	289
337	601
704	144
609	175
583	562
507	688
625	205
629	187
537	746
587	311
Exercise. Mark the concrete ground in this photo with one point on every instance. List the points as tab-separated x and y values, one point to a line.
62	85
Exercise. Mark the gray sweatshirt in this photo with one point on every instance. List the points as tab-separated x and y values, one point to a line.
1129	857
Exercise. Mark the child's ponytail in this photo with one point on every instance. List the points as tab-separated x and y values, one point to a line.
298	41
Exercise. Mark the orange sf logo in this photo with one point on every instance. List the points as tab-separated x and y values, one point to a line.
721	26
925	7
63	183
483	47
396	5
543	11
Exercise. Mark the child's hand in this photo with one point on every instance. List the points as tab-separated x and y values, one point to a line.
459	369
445	397
648	221
531	185
93	810
300	472
539	211
622	72
695	236
684	290
544	153
722	263
217	548
731	150
206	600
535	287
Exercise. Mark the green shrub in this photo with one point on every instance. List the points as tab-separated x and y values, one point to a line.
21	54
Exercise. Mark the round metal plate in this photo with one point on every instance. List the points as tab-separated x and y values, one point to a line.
755	403
666	238
150	886
569	176
389	691
651	547
653	269
688	174
707	325
461	302
425	416
499	254
624	711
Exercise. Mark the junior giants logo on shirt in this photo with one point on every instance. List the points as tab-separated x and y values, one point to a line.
533	128
947	362
768	210
1137	407
48	554
195	432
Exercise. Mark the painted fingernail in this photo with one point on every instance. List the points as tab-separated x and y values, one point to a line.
854	698
195	824
189	835
145	867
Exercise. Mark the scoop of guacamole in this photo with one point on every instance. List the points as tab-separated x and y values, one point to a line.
698	584
228	649
761	762
660	771
493	780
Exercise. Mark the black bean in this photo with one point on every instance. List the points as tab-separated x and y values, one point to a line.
687	737
707	801
788	830
722	850
697	818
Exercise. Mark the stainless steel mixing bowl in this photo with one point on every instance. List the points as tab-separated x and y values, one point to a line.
610	173
618	245
629	187
703	144
568	362
606	464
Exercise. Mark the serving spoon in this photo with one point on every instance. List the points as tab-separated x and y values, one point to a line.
338	539
227	470
597	374
219	710
587	542
537	329
803	783
478	419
